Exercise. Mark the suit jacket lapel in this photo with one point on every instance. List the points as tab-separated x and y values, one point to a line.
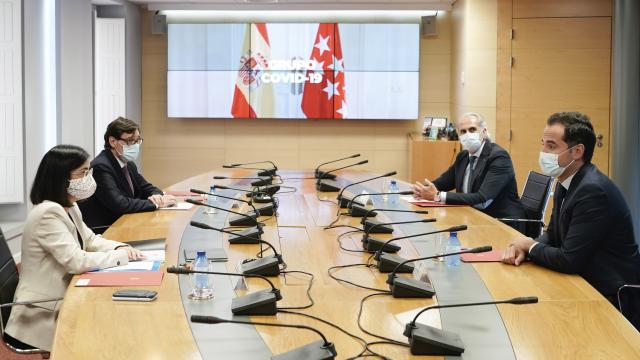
123	184
568	198
480	164
460	168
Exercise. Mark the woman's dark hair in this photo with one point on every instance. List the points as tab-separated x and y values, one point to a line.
118	127
54	171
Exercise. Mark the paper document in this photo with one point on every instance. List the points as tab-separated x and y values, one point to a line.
153	255
133	266
178	206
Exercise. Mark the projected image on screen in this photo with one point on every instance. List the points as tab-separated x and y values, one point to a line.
297	71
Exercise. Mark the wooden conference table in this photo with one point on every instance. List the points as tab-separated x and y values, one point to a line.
572	320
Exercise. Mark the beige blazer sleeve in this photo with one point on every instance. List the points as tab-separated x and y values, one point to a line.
92	242
54	236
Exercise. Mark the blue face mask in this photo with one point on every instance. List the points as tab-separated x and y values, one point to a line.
130	152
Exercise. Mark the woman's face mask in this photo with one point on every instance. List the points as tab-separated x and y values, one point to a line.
82	188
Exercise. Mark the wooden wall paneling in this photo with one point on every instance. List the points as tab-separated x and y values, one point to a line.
561	8
503	74
560	64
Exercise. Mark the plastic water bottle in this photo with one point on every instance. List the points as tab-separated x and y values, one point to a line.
393	188
210	210
202	289
453	245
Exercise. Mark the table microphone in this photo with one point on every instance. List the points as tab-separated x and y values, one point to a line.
265	266
344	201
255	195
239	220
259	181
322	175
258	303
376	227
371	211
324	187
317	350
264	172
427	340
360	211
390	248
411	288
388	262
267	210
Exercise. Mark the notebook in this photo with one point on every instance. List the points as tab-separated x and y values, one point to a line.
148	244
120	278
489	256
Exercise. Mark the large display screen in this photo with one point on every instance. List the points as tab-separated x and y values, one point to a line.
296	71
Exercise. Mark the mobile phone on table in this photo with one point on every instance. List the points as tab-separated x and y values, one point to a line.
134	295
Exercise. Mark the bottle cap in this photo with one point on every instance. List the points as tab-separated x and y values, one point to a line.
453	233
201	253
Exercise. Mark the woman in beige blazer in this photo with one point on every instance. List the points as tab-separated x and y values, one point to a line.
57	244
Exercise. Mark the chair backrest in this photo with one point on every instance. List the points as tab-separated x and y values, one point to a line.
535	197
8	278
629	303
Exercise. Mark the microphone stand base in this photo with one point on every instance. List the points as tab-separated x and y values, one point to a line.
267	266
324	187
427	340
313	351
411	288
323	175
381	229
246	236
257	303
388	263
344	202
373	245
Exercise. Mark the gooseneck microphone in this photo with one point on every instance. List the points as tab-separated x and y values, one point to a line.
377	245
256	195
257	303
317	350
427	340
242	220
344	201
389	262
371	227
262	172
322	175
411	288
259	181
265	266
262	211
358	211
324	187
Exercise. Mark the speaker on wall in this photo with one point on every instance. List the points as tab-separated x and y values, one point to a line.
159	24
428	27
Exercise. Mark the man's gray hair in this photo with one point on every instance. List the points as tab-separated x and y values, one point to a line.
479	119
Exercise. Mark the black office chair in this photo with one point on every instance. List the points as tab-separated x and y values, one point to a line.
8	285
535	198
629	303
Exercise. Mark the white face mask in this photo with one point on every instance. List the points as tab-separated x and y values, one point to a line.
471	142
549	163
83	187
130	152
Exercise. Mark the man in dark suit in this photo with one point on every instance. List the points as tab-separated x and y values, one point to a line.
121	189
590	233
482	175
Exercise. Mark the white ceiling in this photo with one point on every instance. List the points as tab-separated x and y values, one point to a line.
297	4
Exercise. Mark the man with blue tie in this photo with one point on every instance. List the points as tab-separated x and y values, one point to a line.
482	175
121	188
591	232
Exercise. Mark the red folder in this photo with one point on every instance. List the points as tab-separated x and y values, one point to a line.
121	278
489	256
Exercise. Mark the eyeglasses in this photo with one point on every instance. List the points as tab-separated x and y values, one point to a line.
132	142
82	173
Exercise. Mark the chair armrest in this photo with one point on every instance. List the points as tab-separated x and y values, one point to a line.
29	302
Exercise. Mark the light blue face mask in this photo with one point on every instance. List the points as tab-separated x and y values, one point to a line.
130	152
